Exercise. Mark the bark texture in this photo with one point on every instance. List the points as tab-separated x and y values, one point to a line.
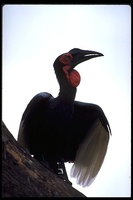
24	176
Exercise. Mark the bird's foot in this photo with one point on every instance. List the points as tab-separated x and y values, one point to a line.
62	172
54	166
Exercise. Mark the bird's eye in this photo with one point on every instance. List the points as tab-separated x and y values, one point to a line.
65	58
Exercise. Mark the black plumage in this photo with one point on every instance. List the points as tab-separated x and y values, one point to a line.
58	130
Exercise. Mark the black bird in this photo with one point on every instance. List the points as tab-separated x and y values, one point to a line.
58	130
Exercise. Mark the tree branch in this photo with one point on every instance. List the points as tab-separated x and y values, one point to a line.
24	176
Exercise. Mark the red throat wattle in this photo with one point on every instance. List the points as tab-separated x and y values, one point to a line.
73	78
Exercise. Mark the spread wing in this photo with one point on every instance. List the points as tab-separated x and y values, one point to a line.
92	148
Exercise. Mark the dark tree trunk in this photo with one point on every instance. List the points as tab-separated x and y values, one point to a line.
23	176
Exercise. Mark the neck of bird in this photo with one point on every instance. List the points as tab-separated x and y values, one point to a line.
67	93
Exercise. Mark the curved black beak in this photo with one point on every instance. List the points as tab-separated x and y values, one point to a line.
80	55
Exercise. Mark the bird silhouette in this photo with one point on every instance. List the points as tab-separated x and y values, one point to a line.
59	130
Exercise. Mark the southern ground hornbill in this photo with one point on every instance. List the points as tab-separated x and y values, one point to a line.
58	130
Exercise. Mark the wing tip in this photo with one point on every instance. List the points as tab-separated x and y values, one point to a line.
94	147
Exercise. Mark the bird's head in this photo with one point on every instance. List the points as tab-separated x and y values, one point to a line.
64	64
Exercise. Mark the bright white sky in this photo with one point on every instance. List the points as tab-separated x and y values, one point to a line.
34	35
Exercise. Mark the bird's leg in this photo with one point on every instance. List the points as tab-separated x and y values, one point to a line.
59	169
53	165
57	166
62	171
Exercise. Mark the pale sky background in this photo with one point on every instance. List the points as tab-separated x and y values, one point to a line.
34	35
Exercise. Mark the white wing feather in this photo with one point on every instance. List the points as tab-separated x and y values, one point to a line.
90	155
